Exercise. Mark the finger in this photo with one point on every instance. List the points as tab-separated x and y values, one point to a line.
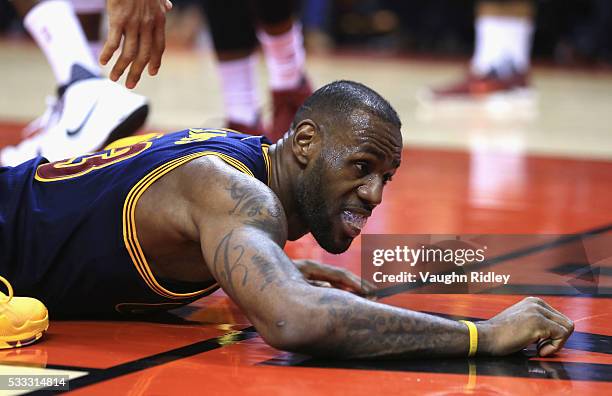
564	319
307	267
557	337
337	277
368	286
168	5
158	46
365	287
144	54
542	303
128	53
319	283
112	43
545	348
557	317
347	280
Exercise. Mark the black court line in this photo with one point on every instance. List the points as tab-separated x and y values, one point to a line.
515	366
389	291
520	365
156	360
98	376
575	371
552	290
568	268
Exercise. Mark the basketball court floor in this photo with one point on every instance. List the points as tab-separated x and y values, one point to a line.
538	165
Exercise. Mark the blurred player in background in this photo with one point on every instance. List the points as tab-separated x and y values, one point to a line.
501	59
237	26
88	110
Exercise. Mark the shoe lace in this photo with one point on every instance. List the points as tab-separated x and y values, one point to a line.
10	291
46	120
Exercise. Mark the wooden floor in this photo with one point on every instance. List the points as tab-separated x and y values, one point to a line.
471	171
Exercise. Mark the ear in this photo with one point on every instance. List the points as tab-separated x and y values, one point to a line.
305	142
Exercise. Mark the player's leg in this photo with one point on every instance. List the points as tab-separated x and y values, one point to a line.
280	35
501	58
90	14
233	34
89	110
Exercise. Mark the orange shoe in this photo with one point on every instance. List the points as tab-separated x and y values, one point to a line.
478	87
23	320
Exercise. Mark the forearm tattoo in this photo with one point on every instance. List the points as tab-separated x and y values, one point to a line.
374	330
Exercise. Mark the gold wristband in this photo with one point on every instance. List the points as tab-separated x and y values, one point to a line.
473	337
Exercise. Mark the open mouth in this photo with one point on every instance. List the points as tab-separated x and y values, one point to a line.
353	222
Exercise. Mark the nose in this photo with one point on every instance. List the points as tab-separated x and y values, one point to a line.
372	191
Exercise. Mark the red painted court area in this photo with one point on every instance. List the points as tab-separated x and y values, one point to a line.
209	347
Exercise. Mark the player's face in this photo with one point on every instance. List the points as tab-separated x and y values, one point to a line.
345	183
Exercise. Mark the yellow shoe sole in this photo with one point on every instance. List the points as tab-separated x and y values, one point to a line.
26	338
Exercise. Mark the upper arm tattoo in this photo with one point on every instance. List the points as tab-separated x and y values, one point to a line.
231	265
257	209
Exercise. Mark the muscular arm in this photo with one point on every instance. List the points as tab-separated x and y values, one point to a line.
242	228
242	239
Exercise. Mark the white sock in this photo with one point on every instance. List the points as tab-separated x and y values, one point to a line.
54	26
239	87
285	57
502	43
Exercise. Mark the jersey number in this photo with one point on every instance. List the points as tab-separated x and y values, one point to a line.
79	166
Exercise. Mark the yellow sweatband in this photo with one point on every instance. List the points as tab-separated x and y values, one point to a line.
473	337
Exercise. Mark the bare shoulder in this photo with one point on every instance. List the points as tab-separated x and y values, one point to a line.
216	192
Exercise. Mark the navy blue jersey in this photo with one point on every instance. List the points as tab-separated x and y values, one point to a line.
67	230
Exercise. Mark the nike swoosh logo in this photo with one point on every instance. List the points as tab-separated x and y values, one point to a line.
76	131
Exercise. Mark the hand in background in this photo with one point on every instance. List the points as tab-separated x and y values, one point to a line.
141	24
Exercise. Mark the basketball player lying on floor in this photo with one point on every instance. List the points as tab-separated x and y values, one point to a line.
168	219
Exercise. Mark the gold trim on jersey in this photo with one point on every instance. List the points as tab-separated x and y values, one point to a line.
130	236
266	157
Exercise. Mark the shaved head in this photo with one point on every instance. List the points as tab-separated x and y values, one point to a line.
338	102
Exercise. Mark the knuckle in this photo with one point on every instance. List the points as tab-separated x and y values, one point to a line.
134	21
535	319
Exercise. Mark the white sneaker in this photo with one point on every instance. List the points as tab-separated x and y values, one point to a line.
92	113
45	121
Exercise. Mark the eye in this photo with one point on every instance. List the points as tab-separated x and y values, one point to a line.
363	168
